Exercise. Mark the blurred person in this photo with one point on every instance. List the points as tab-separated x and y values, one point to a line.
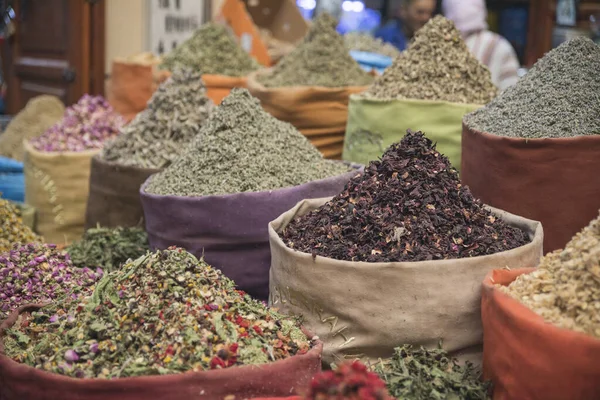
409	18
489	48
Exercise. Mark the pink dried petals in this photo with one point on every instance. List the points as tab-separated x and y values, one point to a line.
39	273
86	125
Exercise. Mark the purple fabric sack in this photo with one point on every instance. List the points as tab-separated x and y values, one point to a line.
230	231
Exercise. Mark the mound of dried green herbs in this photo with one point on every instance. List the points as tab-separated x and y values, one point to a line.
557	98
172	118
408	206
437	65
420	374
165	312
212	49
242	148
108	248
321	59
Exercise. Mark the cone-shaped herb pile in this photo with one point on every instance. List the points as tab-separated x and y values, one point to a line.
436	66
242	148
410	206
321	59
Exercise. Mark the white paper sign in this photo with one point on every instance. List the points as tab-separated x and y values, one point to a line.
171	22
566	13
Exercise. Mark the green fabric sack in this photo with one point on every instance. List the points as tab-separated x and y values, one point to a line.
373	125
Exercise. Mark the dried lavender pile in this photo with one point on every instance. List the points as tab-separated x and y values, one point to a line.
436	66
108	248
175	314
421	374
171	120
321	59
559	97
243	149
86	125
12	228
410	206
365	42
37	117
39	273
565	288
213	50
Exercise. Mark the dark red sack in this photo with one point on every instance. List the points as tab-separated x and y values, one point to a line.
230	231
114	198
553	181
278	379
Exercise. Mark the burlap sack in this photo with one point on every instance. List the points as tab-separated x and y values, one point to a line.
364	310
229	231
57	186
373	125
320	113
114	198
553	181
131	85
278	379
529	359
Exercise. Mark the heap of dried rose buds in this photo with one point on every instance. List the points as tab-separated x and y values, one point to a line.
86	125
39	273
350	381
166	312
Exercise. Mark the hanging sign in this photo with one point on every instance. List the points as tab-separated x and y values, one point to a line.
171	22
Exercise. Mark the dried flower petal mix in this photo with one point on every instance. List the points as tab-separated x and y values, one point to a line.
85	126
165	312
39	273
565	288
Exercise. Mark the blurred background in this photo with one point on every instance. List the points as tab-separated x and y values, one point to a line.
65	47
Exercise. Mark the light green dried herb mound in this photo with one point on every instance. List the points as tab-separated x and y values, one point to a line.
437	65
173	117
108	248
420	374
163	313
213	50
242	148
321	59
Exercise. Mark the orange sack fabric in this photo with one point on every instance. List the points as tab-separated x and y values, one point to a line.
529	359
320	113
219	86
554	181
131	86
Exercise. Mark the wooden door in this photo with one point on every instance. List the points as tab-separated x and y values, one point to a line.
58	49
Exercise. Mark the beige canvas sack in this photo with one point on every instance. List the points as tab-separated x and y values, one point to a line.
363	310
57	186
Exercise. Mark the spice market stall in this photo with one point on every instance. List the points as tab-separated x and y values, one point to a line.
403	245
